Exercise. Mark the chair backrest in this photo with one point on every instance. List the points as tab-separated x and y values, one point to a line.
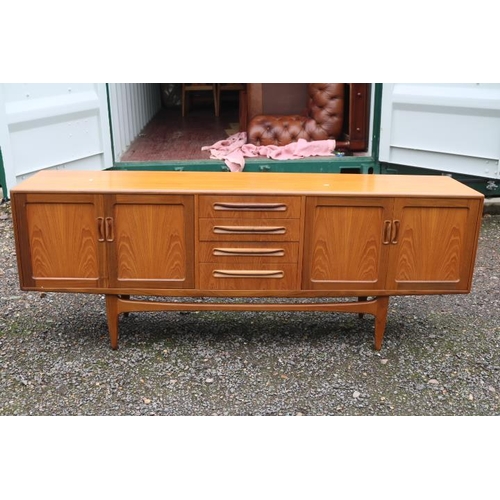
325	109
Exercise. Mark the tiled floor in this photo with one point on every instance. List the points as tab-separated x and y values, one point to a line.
169	136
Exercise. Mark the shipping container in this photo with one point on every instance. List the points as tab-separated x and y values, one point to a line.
432	129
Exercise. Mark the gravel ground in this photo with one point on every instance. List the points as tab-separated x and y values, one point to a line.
440	354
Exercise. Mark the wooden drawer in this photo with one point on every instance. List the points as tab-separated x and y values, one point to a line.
250	230
252	207
240	277
248	254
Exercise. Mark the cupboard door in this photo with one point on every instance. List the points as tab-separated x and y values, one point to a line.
346	243
433	245
59	240
151	241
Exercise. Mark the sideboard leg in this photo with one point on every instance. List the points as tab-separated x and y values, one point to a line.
362	299
112	314
380	320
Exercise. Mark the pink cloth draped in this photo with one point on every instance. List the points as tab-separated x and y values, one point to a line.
234	149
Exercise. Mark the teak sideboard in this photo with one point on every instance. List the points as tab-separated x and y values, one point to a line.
247	235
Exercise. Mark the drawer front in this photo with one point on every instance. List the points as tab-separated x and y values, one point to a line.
251	207
240	277
248	254
250	230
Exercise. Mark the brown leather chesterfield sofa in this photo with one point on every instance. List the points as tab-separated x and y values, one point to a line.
333	111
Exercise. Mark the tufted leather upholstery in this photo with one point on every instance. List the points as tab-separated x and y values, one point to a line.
323	120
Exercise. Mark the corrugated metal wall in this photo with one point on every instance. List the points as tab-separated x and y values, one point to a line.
132	105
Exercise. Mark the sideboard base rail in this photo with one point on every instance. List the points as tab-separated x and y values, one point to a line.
123	304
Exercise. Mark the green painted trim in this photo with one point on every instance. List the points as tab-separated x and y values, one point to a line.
3	180
110	125
361	164
481	184
377	116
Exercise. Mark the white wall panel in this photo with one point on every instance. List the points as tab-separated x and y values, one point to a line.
53	125
449	127
133	105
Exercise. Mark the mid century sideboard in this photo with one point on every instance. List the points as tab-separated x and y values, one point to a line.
247	235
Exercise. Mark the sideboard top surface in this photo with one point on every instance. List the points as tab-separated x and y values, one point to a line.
313	184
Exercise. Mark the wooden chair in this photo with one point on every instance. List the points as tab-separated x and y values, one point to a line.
187	88
228	87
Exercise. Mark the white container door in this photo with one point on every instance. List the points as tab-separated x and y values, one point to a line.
53	126
447	127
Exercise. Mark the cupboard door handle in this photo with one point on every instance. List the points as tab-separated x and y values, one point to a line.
223	273
271	207
110	236
254	252
387	232
249	230
100	229
395	232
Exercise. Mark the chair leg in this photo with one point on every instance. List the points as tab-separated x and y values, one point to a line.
183	100
186	97
216	92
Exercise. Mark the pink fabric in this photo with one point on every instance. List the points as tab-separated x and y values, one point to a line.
229	150
234	149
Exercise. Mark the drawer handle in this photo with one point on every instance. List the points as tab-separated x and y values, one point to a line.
249	230
387	232
222	273
109	226
100	229
395	232
254	252
272	207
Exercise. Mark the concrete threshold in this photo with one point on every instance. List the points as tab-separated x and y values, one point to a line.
491	206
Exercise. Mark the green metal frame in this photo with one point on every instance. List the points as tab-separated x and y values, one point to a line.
488	187
3	180
337	164
110	124
316	165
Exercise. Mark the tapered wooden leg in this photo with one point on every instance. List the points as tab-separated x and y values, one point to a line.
362	299
112	315
380	320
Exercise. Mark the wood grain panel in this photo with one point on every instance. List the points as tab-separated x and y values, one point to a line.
150	241
153	243
63	240
344	244
430	244
347	244
434	246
